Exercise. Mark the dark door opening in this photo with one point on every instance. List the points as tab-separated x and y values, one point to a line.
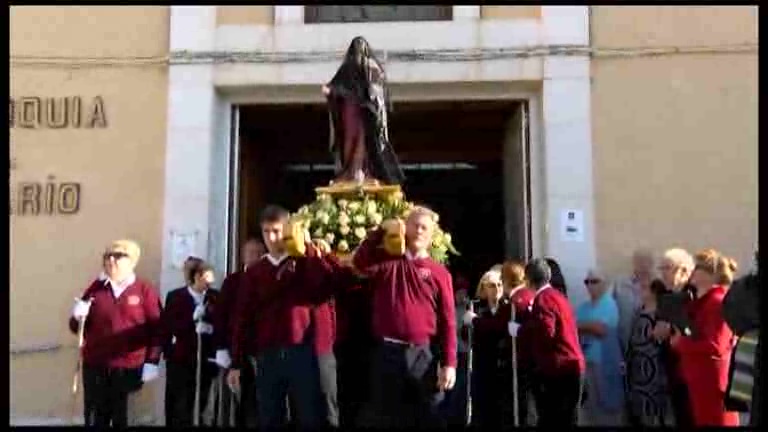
452	153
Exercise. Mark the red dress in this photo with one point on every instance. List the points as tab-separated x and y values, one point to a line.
704	360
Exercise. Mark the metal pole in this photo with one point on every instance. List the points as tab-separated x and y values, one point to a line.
515	397
196	410
79	364
470	332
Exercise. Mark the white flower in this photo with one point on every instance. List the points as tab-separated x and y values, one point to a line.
360	232
354	205
376	218
318	233
304	210
343	246
320	214
359	219
371	207
329	237
343	203
325	218
344	230
447	237
343	219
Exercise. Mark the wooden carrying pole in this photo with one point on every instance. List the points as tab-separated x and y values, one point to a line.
470	332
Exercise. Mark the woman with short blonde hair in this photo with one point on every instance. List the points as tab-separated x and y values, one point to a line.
705	355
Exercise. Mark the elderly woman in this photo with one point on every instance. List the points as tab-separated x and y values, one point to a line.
675	268
118	318
490	348
705	354
598	321
646	375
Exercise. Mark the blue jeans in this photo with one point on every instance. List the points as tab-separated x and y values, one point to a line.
289	372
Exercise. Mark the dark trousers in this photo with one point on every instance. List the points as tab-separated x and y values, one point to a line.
180	386
558	399
247	406
105	395
403	388
290	372
454	406
352	361
681	407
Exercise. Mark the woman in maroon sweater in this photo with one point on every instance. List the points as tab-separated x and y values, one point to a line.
188	312
121	316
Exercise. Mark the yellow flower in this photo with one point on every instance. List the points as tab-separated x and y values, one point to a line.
329	237
447	237
344	230
360	232
359	219
343	204
325	218
376	218
343	219
304	210
354	205
343	246
371	207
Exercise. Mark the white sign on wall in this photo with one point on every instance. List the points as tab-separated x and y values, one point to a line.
183	245
572	226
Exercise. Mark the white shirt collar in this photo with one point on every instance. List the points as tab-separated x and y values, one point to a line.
420	255
540	290
119	288
276	261
196	296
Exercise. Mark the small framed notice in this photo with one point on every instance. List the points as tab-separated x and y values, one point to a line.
183	245
572	226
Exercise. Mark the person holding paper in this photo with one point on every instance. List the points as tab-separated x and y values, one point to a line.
121	318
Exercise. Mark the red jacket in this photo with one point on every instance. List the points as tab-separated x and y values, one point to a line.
178	336
225	310
122	332
552	326
705	358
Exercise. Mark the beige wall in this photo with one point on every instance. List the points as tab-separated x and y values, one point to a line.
245	15
120	168
675	137
510	12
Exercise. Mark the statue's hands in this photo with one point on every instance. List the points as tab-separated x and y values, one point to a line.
294	237
394	236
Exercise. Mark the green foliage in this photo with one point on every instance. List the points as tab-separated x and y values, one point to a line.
344	223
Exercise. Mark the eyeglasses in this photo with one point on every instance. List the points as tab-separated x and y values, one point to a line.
115	255
591	281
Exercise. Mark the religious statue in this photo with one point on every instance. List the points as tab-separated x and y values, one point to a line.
358	104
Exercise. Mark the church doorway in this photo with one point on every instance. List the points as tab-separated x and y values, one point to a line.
467	160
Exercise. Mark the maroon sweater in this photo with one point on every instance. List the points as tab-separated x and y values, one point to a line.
552	326
122	332
223	321
412	298
269	315
178	336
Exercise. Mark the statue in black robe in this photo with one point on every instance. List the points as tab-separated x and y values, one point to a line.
358	104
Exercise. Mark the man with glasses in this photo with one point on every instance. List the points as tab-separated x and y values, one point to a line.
118	317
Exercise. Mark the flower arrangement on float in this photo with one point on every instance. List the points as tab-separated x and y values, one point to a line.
343	222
